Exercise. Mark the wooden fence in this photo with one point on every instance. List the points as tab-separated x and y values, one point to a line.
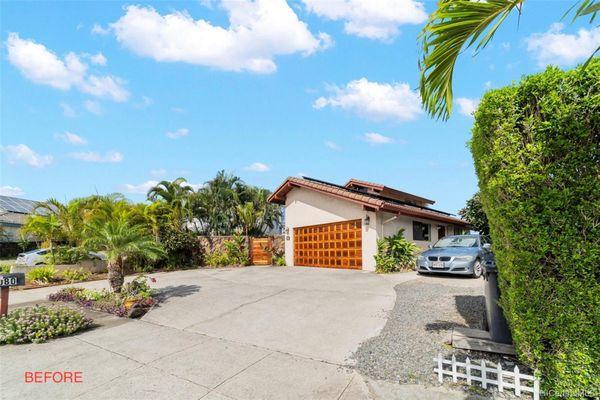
503	379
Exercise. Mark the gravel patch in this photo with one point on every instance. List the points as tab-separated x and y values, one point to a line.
417	329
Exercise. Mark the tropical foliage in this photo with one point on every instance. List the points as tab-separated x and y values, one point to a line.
395	253
536	148
43	274
159	233
473	213
119	236
457	25
75	275
234	252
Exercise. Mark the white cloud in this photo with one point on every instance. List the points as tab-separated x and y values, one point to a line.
505	46
195	186
71	138
487	84
377	20
93	106
141	188
467	106
40	65
98	59
179	133
157	173
258	32
11	191
257	167
145	102
97	29
177	110
95	157
376	101
67	110
376	138
106	86
556	47
22	153
332	145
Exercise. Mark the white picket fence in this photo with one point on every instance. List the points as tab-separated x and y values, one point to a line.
503	379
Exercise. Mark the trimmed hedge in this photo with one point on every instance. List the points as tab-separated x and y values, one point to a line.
536	147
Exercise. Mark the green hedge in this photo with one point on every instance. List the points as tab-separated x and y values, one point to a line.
537	156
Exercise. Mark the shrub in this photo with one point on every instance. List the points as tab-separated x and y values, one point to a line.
236	250
234	253
138	288
216	258
182	248
536	147
39	323
395	253
279	260
67	255
75	275
5	269
44	274
277	256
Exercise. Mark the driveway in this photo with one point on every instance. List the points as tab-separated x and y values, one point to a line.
244	333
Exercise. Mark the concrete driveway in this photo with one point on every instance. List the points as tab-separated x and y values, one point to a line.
244	333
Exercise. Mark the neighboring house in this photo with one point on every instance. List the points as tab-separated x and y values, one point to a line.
332	226
13	212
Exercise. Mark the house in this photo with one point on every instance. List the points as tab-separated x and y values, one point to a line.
333	226
13	213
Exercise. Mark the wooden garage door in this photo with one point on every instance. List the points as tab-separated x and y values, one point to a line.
336	245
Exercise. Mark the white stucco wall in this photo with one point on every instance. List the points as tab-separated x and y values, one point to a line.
305	207
402	221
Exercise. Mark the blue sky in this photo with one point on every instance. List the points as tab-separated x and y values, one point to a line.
102	97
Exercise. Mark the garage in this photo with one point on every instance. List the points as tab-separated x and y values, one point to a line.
334	245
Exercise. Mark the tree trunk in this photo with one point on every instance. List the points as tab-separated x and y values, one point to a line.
115	275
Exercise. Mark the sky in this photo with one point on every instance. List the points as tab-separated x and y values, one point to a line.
108	96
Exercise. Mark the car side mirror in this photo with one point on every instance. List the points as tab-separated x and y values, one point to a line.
429	246
487	246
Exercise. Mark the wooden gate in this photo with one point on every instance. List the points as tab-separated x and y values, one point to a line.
260	251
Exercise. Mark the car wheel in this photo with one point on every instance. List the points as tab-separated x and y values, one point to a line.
477	269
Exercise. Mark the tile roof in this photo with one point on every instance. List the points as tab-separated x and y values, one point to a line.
374	201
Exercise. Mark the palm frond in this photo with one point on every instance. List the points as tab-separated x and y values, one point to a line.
455	25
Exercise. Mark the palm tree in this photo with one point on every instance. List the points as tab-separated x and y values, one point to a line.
120	238
70	216
215	204
270	214
249	216
458	24
45	227
177	195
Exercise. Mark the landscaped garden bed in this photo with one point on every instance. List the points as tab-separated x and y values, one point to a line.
40	323
133	301
47	275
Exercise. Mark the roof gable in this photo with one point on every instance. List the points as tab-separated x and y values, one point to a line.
369	200
387	191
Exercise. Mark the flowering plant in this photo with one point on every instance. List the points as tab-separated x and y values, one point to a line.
39	323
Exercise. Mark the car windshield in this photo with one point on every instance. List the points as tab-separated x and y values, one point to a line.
36	251
457	241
